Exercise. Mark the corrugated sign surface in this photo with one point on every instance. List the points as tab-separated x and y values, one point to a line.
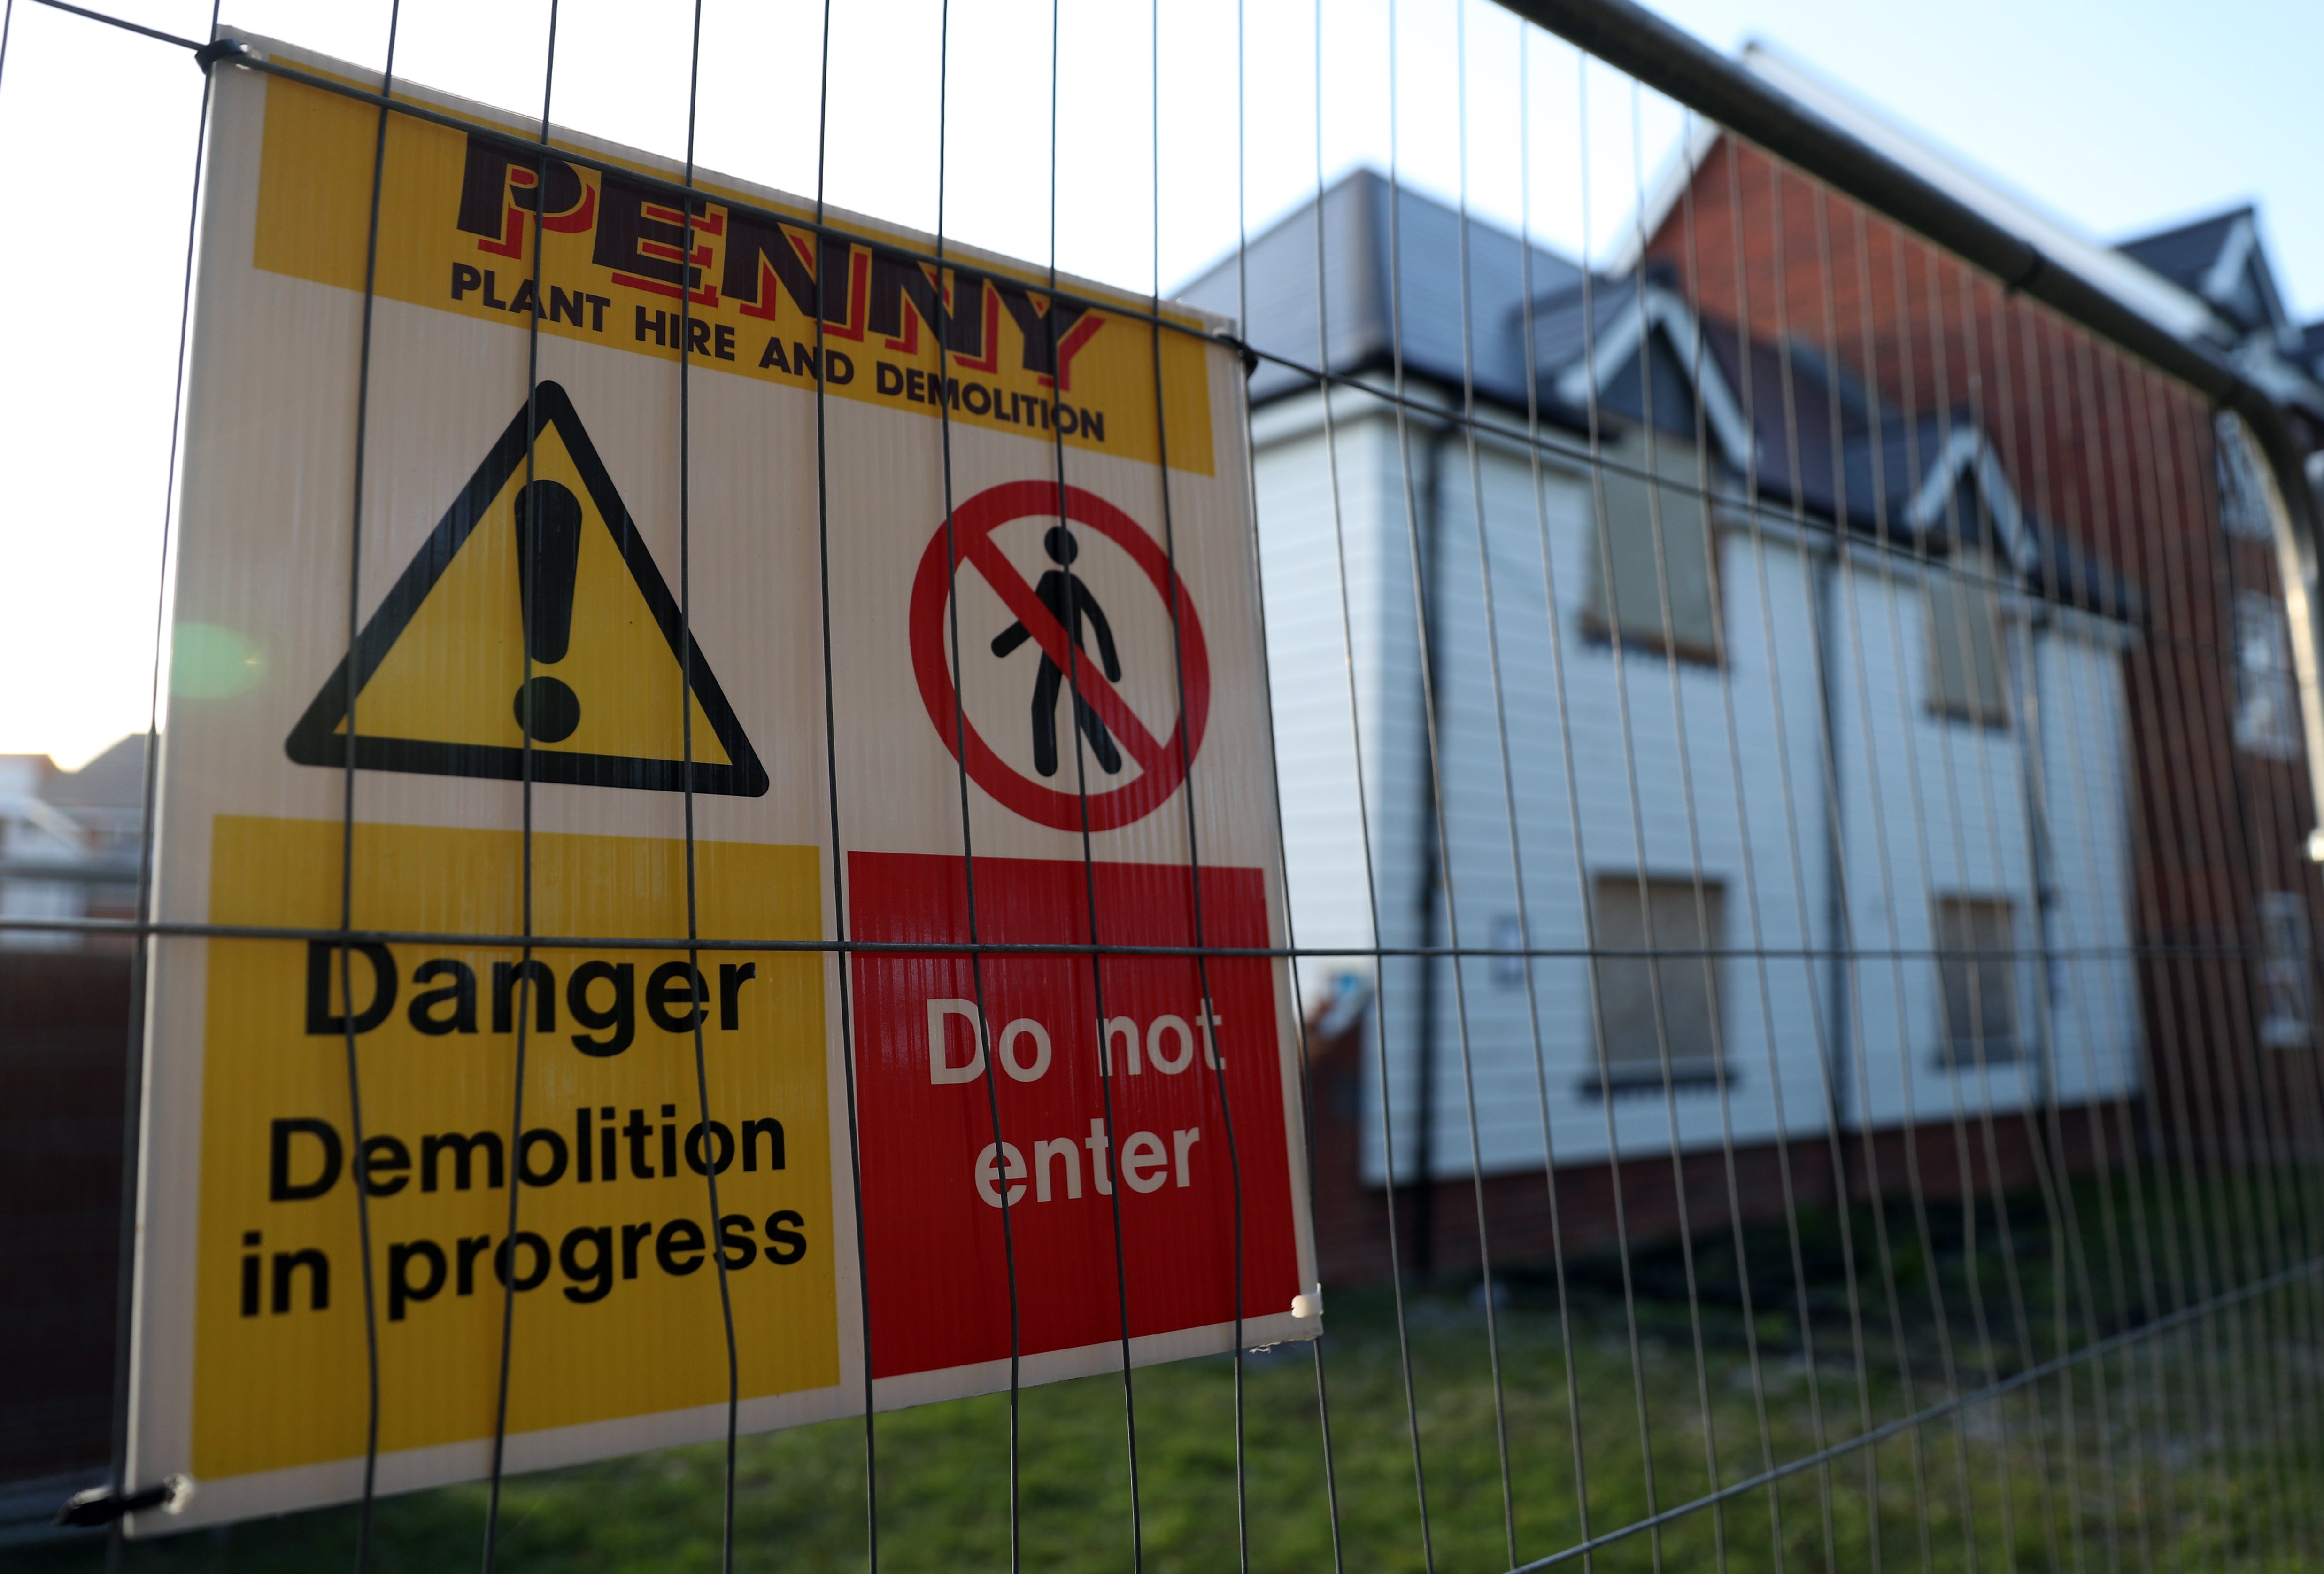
977	493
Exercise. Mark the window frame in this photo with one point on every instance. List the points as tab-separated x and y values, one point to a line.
1609	1074
2283	735
2245	509
2285	973
1664	467
1965	587
1975	1049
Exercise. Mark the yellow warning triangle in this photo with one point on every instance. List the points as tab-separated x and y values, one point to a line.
539	559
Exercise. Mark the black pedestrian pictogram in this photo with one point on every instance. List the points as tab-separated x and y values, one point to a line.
963	540
1071	604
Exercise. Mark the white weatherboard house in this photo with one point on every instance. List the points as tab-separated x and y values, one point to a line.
1680	709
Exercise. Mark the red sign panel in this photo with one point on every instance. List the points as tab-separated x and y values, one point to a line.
959	1123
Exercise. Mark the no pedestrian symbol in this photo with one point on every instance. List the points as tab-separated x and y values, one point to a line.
1102	713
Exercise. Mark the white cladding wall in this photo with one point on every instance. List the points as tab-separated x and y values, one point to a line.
1676	768
1932	807
2095	1029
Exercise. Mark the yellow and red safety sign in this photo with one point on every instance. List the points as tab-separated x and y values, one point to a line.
520	855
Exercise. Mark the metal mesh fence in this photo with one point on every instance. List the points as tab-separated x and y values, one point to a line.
1791	729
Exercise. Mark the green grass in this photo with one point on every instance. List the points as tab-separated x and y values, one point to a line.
2203	1459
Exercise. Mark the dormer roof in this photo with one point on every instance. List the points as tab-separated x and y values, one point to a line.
2220	259
1626	350
1586	343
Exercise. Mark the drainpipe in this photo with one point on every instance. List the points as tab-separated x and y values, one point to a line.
1835	894
1432	888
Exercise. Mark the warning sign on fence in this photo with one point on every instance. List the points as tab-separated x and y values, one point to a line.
577	738
536	539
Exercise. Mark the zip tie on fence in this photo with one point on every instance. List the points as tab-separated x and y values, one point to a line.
1234	341
98	1507
221	49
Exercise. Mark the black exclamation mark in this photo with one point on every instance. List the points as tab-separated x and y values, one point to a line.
547	557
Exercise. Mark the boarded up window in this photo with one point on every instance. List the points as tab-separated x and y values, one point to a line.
1676	922
2286	1015
1977	978
1655	582
1968	667
2267	694
2244	506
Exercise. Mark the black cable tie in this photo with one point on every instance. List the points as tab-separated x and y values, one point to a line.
1249	357
220	49
97	1506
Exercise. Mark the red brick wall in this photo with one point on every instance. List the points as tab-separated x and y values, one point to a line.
1351	1216
64	1031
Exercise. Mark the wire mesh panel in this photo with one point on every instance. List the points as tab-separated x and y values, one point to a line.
1789	728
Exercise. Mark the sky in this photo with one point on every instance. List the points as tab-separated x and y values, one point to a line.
2119	116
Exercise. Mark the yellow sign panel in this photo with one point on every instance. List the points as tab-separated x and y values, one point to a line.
617	1307
534	609
993	347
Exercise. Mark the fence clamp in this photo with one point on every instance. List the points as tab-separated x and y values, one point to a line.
101	1505
220	49
1233	341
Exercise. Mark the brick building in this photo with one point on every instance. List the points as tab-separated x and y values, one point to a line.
1865	698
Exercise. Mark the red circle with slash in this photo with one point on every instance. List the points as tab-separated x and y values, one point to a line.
1162	762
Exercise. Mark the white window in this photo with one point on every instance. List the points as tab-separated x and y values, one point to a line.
2286	961
1977	981
1968	668
1655	579
1663	992
2267	695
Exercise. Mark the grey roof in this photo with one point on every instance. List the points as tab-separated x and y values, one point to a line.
2188	257
1789	394
1881	473
2185	254
1798	401
1361	256
1564	332
115	779
2069	573
1885	457
2312	349
1604	319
